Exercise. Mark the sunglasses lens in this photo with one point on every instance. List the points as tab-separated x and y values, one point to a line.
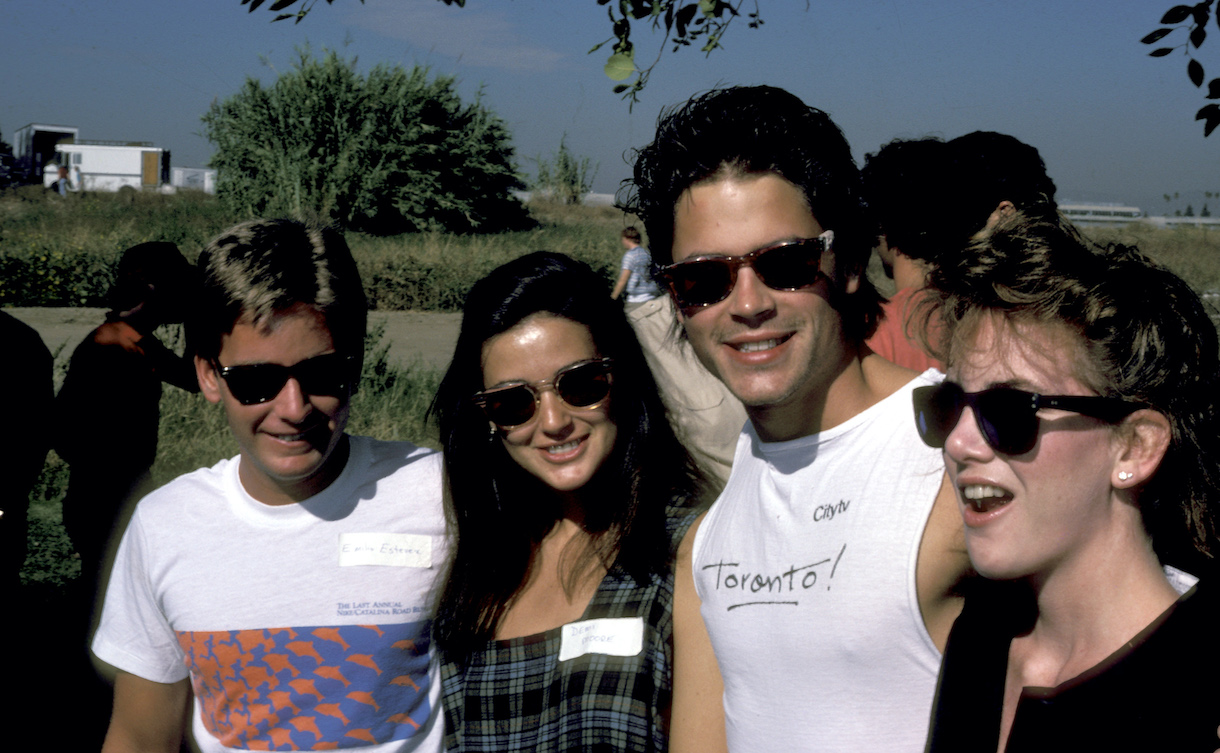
511	406
937	410
701	283
1007	419
584	385
796	265
324	375
255	383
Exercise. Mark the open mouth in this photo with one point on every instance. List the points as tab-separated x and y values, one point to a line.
984	497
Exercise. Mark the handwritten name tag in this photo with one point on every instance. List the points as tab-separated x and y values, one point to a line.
389	549
612	636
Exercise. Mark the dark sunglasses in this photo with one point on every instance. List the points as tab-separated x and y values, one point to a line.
582	385
331	374
1007	417
705	280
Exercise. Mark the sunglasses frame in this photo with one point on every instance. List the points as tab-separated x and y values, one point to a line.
346	361
925	399
605	365
735	263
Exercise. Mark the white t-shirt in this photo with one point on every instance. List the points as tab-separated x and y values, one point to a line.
304	625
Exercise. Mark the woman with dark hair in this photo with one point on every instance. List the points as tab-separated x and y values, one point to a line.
1079	426
568	492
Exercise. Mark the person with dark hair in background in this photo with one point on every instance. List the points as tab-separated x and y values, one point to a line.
113	386
912	195
1079	425
28	381
569	495
997	174
828	568
281	598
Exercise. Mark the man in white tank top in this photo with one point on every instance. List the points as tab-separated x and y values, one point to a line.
827	571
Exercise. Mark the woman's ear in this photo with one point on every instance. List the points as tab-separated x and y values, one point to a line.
1144	438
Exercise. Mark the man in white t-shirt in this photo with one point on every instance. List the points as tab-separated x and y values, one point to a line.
280	599
826	572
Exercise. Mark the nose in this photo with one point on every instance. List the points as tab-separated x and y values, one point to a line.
554	418
751	301
292	404
966	441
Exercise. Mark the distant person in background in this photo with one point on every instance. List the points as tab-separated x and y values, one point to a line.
997	175
27	382
912	195
636	278
111	398
63	184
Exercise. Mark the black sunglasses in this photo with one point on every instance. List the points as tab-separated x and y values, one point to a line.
582	385
705	280
1007	417
331	374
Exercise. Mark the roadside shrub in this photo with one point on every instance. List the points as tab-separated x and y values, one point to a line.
387	152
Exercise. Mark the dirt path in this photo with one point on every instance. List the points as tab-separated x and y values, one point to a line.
414	336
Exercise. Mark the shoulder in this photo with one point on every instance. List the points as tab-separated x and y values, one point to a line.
403	462
885	378
188	499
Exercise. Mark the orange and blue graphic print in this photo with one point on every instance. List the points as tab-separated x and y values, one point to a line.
311	688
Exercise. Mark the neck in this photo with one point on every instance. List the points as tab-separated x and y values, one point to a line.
854	385
1089	607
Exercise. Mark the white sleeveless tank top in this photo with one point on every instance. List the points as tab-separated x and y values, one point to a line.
806	569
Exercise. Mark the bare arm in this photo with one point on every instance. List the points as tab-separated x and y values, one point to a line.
698	711
148	717
621	284
943	565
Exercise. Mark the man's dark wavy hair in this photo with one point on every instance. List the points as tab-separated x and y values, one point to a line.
1145	335
755	130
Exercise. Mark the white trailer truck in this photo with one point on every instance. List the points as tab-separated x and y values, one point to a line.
109	166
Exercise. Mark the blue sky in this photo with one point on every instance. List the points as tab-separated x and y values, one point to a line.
1071	78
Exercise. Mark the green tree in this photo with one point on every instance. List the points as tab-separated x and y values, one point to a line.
683	23
389	152
564	178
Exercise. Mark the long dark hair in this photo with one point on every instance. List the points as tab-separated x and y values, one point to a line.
499	511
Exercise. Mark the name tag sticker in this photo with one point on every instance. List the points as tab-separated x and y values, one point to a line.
611	636
388	549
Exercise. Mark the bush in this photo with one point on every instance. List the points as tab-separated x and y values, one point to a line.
389	152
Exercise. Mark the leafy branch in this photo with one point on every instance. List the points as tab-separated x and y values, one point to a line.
685	23
1193	19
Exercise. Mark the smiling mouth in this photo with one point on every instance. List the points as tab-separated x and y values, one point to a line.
984	498
759	345
559	449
